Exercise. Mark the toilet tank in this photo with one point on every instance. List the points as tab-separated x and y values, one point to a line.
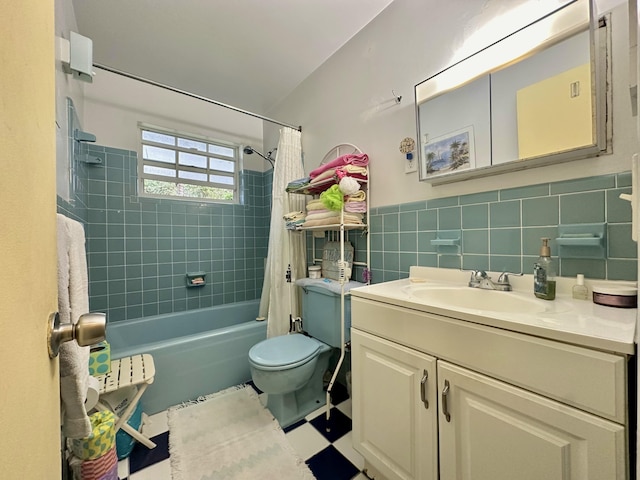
321	314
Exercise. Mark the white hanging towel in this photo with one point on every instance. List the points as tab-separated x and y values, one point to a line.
73	301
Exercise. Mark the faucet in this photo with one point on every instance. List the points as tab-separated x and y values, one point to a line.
480	279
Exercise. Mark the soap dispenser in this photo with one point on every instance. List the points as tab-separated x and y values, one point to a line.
579	291
544	284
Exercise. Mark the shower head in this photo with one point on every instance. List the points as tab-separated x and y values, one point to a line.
249	151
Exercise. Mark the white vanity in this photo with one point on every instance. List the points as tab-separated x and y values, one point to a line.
517	389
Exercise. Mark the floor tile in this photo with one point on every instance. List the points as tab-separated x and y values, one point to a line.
345	446
361	476
339	424
345	407
318	411
142	456
306	440
294	426
329	464
158	471
123	468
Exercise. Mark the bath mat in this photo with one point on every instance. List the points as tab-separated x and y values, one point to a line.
229	435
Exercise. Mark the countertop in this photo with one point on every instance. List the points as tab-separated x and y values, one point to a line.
579	322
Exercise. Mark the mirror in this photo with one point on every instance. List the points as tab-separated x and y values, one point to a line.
533	98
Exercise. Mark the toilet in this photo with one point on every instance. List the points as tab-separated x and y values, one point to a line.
290	368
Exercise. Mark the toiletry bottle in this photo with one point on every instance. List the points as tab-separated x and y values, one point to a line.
544	283
579	291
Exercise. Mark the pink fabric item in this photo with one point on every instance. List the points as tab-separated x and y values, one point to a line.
360	160
101	468
355	207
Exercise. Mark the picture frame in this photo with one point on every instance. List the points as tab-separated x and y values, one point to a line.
449	153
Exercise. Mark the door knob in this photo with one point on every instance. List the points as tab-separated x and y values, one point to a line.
90	329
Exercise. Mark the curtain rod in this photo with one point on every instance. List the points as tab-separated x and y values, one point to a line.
193	95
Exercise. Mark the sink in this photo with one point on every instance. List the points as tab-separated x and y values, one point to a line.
478	299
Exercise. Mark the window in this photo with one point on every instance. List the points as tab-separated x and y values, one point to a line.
187	166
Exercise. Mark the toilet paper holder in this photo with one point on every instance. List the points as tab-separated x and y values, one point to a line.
91	328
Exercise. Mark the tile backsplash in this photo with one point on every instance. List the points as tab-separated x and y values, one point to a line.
500	230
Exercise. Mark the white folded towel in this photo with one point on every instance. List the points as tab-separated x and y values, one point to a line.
73	301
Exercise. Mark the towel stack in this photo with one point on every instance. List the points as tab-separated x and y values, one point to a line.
318	215
356	203
294	220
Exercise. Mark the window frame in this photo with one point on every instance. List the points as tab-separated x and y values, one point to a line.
208	170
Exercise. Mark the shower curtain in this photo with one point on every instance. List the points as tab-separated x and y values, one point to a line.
279	298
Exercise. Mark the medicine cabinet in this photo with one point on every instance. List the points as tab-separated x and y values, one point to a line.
537	97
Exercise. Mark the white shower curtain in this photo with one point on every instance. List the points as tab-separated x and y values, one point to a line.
279	298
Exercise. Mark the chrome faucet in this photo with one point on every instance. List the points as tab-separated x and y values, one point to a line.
480	279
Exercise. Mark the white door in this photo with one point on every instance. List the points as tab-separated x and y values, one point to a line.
29	392
394	408
490	430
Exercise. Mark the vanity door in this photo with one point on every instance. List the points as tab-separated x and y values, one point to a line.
490	430
394	408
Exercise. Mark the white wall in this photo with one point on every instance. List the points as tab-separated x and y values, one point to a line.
349	98
66	86
114	105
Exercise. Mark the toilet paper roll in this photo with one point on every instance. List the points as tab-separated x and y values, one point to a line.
93	392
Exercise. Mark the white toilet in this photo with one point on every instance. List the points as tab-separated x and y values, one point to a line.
290	368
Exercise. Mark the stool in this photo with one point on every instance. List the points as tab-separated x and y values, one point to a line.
125	372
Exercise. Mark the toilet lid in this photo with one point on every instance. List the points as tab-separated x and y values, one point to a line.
284	350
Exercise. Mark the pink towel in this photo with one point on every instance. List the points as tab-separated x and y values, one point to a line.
355	207
359	160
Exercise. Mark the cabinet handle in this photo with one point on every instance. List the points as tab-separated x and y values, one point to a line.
423	389
445	396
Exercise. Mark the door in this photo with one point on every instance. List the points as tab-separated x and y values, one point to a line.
490	430
29	395
394	408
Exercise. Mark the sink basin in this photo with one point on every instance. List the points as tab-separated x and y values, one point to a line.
478	299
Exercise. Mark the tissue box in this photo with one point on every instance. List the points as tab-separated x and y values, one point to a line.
101	440
100	359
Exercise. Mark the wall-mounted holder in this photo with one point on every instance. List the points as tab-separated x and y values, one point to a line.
196	279
448	241
586	240
89	159
81	136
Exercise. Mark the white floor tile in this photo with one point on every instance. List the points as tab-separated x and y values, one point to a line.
306	440
361	476
345	447
345	407
156	424
123	468
320	411
157	471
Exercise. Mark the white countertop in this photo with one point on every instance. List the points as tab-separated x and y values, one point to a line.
579	322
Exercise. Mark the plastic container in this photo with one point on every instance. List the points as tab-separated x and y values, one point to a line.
620	296
315	271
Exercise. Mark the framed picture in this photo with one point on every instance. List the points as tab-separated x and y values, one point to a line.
448	153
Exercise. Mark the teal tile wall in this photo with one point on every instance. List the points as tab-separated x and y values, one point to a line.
501	229
140	249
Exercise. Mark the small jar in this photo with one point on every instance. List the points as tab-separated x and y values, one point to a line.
315	271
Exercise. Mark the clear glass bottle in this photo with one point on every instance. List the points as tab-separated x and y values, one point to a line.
579	291
544	272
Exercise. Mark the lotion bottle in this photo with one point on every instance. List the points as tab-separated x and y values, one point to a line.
579	291
544	283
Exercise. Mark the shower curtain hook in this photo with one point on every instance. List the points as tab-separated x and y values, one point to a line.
398	98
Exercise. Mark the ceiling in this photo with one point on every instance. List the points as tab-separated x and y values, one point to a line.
247	53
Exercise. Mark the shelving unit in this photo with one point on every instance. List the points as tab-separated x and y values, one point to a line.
336	232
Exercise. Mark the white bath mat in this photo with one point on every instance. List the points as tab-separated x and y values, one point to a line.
230	435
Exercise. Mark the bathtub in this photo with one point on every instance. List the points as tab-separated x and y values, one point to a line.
195	353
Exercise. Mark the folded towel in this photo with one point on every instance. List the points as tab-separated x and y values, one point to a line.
330	214
293	216
315	204
359	196
360	160
349	219
73	301
296	184
355	207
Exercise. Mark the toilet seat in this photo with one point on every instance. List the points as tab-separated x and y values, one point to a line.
284	352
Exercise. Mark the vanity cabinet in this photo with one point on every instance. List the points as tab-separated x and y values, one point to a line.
501	405
395	419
